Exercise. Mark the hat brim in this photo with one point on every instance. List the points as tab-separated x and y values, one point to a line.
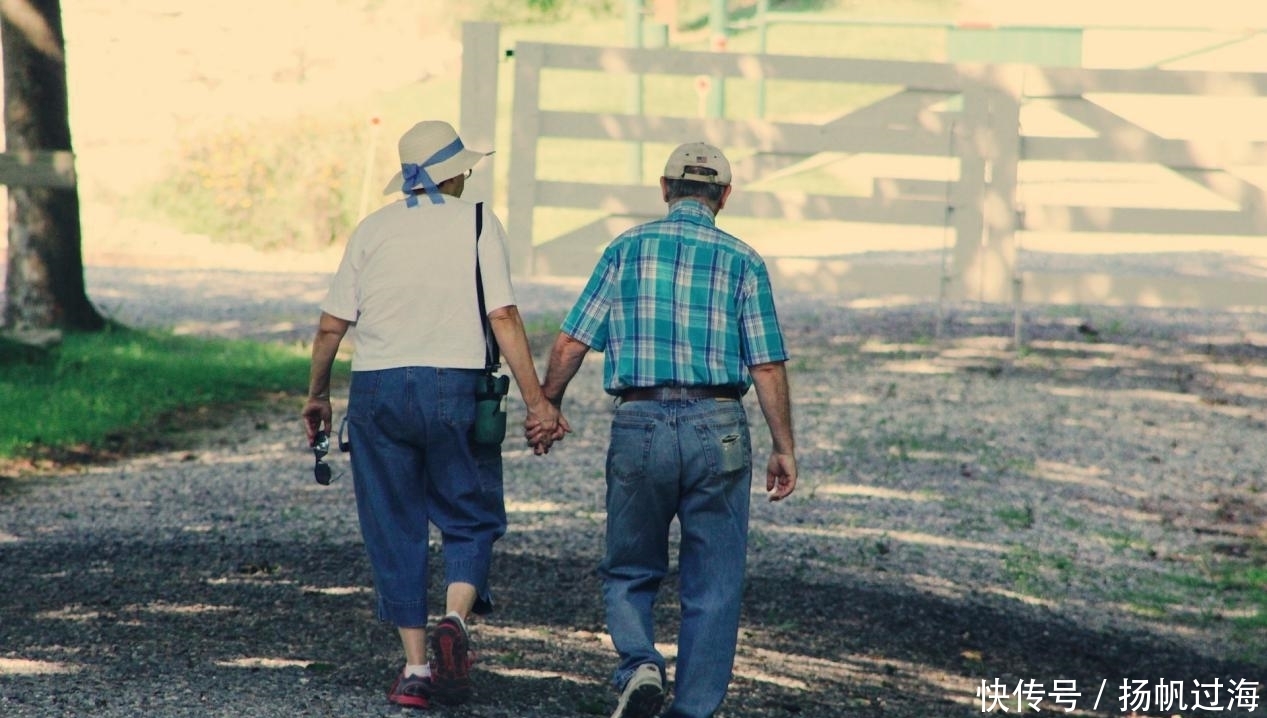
452	167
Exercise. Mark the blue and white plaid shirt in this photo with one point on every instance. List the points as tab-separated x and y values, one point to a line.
678	302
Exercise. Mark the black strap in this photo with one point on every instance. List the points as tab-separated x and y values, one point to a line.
492	353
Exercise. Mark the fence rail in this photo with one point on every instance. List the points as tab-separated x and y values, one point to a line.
26	168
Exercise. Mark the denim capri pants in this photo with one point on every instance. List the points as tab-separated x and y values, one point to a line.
413	464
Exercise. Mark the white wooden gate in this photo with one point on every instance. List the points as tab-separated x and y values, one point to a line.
1014	137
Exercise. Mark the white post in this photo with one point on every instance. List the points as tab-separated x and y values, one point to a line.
478	119
968	196
521	194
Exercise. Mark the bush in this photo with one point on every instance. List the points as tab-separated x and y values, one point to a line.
529	11
292	183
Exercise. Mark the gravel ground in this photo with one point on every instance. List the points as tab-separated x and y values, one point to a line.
1078	510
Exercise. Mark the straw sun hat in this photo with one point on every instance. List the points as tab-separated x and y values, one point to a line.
430	153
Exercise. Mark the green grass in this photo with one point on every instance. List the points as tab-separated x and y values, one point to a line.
1247	581
98	387
1016	517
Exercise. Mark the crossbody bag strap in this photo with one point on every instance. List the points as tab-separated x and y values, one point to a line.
492	353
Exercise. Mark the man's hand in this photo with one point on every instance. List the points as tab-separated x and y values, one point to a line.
780	476
543	426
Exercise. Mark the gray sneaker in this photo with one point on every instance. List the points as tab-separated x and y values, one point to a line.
643	694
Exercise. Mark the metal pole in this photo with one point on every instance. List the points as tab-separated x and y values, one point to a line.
371	150
633	38
763	9
718	20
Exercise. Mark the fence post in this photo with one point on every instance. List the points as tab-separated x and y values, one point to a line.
522	195
1002	273
968	195
985	200
999	271
478	118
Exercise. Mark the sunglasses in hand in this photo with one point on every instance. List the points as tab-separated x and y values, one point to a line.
321	471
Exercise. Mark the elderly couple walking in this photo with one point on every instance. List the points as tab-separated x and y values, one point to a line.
685	317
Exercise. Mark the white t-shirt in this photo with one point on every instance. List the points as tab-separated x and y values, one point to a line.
407	281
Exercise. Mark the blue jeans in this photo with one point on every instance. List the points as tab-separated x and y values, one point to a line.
414	465
692	460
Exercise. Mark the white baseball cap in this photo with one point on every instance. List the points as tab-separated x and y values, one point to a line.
686	161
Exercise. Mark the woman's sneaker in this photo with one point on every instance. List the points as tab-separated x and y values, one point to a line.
450	662
643	694
410	691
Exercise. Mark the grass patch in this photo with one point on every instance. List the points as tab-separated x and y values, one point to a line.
1016	517
101	386
1035	573
1247	581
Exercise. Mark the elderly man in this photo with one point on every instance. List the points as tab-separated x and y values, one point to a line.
686	318
407	282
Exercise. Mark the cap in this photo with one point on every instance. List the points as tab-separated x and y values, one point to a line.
699	155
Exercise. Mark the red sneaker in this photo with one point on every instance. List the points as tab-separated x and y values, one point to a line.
450	662
410	691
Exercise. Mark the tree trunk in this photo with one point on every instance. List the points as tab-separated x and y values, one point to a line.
44	280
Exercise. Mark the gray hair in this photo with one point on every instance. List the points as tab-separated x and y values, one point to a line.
707	191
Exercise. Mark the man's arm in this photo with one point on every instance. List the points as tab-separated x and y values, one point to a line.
325	345
565	360
508	327
770	381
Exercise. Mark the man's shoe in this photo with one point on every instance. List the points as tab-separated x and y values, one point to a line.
450	662
643	694
410	691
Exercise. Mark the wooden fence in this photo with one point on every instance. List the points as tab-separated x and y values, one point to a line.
1038	204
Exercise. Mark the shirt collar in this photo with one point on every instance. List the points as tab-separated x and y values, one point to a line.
692	210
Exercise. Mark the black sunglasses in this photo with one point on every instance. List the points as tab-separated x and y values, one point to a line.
321	471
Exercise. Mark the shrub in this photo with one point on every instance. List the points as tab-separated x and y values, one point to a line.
291	183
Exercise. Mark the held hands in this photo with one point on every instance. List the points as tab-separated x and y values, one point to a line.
780	476
543	426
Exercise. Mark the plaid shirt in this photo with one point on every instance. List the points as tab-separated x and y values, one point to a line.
678	302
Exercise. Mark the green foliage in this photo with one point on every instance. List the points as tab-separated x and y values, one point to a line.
533	11
291	183
106	384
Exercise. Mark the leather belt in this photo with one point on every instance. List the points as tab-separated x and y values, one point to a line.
679	393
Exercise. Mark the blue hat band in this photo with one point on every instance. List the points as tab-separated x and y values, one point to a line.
416	175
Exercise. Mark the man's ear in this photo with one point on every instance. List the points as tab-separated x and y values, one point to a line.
664	189
725	194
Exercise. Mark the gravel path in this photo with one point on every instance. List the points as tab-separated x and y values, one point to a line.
966	513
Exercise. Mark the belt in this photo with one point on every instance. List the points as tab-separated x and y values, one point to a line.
679	393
